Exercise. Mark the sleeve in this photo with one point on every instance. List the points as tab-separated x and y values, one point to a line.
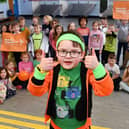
39	87
45	44
32	66
20	68
102	87
106	66
101	41
117	70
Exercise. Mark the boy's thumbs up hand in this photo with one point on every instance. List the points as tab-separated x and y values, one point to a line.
46	63
91	61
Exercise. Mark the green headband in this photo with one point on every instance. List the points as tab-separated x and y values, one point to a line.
72	37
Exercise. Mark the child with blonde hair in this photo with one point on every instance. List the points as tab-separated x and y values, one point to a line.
25	66
46	26
38	40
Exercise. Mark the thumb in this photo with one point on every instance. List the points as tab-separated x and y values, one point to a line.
93	52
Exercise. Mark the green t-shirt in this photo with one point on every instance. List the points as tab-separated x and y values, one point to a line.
35	63
37	39
67	94
110	44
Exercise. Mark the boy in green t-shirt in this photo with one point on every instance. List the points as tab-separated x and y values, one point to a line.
70	83
111	42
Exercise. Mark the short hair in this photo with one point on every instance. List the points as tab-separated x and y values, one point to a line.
37	17
25	53
21	18
15	24
82	17
38	51
8	62
112	56
95	22
37	25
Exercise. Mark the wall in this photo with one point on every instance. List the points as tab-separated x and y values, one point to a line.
4	7
25	7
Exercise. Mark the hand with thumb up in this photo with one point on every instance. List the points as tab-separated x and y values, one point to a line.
46	64
91	61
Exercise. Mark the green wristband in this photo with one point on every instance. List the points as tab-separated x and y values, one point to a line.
99	71
38	75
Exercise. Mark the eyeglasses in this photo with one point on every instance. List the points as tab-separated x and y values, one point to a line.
64	53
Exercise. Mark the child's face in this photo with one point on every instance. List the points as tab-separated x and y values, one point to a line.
111	27
95	26
37	29
111	61
54	23
45	20
35	21
4	28
25	58
16	29
3	74
104	21
83	22
10	66
10	28
68	55
72	26
59	30
22	23
38	56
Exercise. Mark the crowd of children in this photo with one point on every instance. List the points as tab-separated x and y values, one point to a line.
41	42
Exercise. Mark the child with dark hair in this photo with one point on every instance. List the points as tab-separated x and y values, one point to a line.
114	71
11	68
5	80
70	83
54	22
57	31
84	30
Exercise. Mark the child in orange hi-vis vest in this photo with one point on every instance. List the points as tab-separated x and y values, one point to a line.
70	83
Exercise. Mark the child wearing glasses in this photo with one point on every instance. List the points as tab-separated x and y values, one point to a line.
70	83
